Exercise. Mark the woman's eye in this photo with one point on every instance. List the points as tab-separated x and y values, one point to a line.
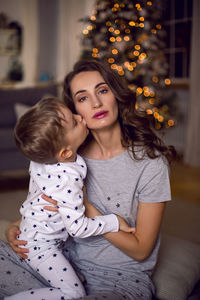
82	99
103	91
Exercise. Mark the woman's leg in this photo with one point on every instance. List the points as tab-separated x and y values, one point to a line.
16	275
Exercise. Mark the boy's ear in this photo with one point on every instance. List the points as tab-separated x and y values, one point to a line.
65	153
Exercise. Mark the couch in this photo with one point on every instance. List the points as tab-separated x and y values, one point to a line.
10	157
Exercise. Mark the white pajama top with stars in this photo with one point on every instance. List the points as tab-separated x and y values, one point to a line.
43	230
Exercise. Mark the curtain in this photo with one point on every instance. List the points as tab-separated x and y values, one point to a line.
192	145
69	33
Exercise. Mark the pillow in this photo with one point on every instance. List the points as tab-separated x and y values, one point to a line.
178	268
20	109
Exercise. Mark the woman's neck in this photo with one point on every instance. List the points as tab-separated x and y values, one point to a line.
105	144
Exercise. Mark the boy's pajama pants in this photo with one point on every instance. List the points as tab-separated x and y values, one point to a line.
56	269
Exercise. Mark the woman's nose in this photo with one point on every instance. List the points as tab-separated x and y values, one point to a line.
96	102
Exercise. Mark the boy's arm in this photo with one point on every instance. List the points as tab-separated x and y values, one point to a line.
67	191
72	211
91	211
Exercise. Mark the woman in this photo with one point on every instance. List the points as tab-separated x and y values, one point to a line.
127	175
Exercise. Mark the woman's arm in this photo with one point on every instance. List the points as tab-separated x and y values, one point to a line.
140	244
11	233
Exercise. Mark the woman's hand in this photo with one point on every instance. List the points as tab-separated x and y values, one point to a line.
11	234
123	225
50	200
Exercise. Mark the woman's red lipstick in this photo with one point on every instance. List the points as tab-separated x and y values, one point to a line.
100	114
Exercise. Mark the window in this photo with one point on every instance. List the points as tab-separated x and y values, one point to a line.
177	16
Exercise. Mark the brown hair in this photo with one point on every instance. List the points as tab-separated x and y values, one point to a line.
135	125
40	133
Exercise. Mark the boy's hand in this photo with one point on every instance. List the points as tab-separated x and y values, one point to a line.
123	225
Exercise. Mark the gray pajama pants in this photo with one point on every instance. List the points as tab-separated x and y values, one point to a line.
17	276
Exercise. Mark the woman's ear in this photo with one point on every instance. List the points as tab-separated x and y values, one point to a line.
65	154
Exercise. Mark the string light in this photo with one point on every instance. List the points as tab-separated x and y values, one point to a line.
85	31
149	112
155	79
117	31
95	50
112	39
170	123
139	91
131	23
157	126
137	47
167	81
108	23
111	60
158	26
111	29
113	66
93	18
136	53
126	38
152	101
118	39
90	27
142	56
114	51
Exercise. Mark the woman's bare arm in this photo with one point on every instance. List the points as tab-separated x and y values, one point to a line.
140	244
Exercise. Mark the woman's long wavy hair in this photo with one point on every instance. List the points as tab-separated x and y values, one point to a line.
135	125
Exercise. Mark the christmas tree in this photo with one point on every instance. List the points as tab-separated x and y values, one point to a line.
127	35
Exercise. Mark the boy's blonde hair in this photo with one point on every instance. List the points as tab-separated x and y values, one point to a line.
40	132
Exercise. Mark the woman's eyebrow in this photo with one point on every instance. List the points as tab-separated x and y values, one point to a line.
96	86
78	92
100	83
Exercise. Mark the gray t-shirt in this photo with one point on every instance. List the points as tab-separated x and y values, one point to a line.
116	185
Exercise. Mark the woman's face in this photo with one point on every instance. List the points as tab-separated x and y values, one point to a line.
94	100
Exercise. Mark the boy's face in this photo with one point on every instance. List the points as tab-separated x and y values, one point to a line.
76	129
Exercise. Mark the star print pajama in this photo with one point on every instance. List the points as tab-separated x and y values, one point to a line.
43	230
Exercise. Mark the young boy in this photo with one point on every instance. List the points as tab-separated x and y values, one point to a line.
50	135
